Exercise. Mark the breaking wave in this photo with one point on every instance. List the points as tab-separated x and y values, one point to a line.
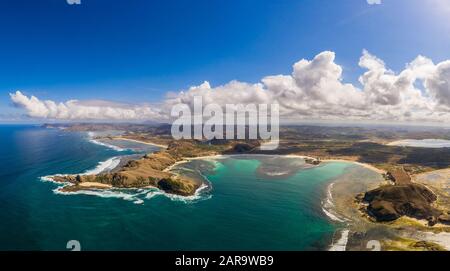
125	194
104	166
329	210
328	206
91	136
137	196
200	194
116	148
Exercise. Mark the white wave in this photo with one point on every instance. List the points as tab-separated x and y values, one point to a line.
116	148
128	195
332	216
341	244
107	165
103	193
198	195
124	193
103	166
328	206
154	193
92	135
47	179
330	195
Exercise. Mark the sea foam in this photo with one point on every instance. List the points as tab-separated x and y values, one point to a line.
137	196
198	195
104	166
124	194
116	148
328	206
91	136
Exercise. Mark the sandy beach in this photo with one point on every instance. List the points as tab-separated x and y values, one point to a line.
223	156
368	166
219	156
94	185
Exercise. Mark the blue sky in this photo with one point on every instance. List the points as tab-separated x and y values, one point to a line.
138	50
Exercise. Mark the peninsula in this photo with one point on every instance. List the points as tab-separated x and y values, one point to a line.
152	170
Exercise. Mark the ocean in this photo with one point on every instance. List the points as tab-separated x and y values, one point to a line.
248	205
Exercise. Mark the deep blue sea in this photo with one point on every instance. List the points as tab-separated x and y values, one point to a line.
242	211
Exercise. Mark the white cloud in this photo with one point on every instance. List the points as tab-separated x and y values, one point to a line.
315	90
374	2
77	110
438	82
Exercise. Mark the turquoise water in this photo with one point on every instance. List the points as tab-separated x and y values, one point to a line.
242	211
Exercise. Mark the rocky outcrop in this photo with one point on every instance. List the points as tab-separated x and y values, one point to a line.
390	202
242	147
179	187
144	172
312	161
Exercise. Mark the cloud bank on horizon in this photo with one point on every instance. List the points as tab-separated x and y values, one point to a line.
313	91
83	110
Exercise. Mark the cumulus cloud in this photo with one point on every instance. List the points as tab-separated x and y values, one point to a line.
79	110
315	90
374	2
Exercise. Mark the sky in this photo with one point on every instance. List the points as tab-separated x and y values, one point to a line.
133	59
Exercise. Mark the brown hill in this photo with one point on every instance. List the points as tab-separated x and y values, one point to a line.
390	202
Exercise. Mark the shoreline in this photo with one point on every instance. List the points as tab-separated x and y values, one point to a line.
221	156
140	141
368	166
95	185
339	245
224	156
87	185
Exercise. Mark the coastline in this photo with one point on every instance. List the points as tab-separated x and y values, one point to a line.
95	185
105	190
368	166
328	205
221	156
140	141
